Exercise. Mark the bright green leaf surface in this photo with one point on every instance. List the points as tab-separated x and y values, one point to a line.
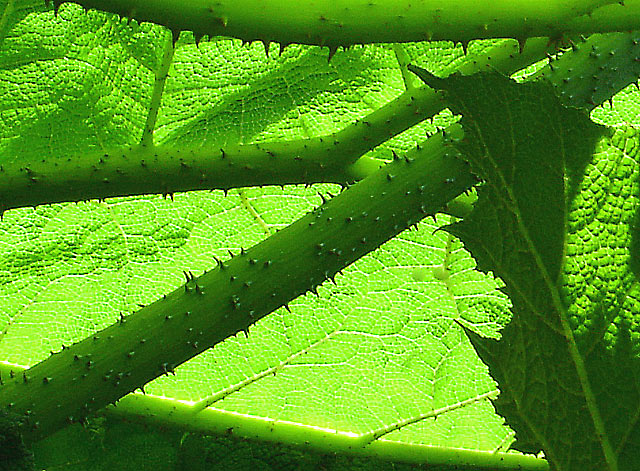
376	352
558	233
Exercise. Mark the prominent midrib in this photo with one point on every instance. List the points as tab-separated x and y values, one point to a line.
561	311
567	332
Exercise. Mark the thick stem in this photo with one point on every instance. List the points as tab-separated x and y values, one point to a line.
335	23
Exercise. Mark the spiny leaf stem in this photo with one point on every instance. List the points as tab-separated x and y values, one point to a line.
344	22
101	369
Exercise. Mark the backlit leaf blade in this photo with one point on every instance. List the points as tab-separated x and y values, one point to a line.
554	222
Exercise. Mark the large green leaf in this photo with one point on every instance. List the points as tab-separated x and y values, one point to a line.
554	221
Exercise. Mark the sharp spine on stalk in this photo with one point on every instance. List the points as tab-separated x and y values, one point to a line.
282	48
332	52
266	43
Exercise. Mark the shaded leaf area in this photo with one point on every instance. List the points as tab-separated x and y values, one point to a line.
554	222
72	82
83	80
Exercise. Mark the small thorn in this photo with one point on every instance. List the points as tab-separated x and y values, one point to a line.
174	36
465	46
332	52
286	306
266	43
521	44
